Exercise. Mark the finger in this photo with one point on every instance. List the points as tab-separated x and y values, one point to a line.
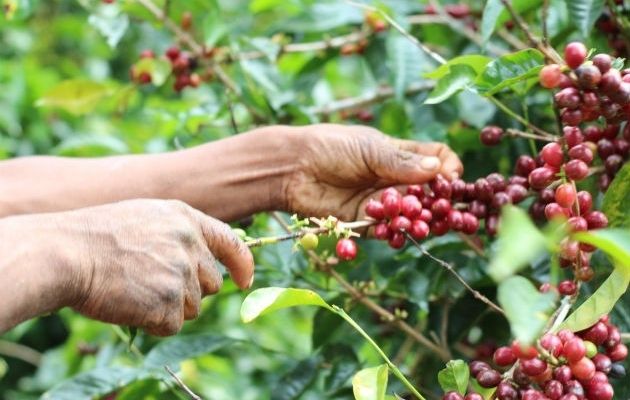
210	279
229	249
171	323
192	297
400	166
451	167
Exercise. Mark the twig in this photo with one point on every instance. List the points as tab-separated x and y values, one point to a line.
520	119
450	269
358	296
511	39
294	235
545	13
527	135
400	29
444	324
188	40
21	352
380	94
182	385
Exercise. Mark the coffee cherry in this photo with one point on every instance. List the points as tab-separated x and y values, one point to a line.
617	371
567	288
500	199
583	369
610	81
552	154
488	378
541	177
602	363
603	62
576	170
391	205
524	352
452	395
471	223
491	135
411	206
618	353
597	334
552	344
419	229
550	76
426	215
478	209
473	396
477	366
524	165
574	349
455	220
505	391
397	240
483	190
622	146
565	195
614	336
596	220
375	209
554	210
563	374
416	190
346	249
574	54
572	136
602	391
571	117
309	241
517	193
567	98
588	76
577	224
382	231
400	224
440	208
581	152
554	389
439	227
585	273
441	187
533	367
613	164
458	189
504	356
574	387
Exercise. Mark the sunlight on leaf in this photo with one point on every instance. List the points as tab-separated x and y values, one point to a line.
267	300
370	383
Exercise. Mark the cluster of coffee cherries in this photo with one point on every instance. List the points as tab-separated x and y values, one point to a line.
562	366
183	66
607	24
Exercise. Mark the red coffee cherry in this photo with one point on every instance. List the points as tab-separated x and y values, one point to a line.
603	62
524	165
596	220
375	209
397	240
419	229
550	76
576	170
392	205
575	54
346	249
411	207
567	288
541	177
588	76
583	369
533	367
618	353
440	208
565	195
400	223
452	396
524	352
505	391
488	378
574	349
504	356
471	223
491	135
382	231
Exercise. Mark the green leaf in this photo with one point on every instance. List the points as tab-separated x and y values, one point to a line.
111	23
584	13
343	362
600	303
406	63
370	383
77	96
617	199
519	243
474	61
489	17
526	309
509	70
454	377
267	300
459	77
158	68
615	242
182	347
91	146
297	380
94	383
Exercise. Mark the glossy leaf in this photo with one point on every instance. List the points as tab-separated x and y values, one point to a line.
77	96
615	242
370	383
297	380
459	77
177	349
475	61
267	300
93	384
617	199
584	13
489	17
519	242
600	303
526	309
454	377
509	70
406	63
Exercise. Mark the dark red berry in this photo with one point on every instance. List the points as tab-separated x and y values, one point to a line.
419	229
618	353
574	349
505	391
613	163
567	288
397	240
572	136
455	220
489	378
440	208
491	135
392	205
452	396
581	152
375	209
582	369
411	206
602	363
603	62
477	366
346	249
588	76
504	356
596	220
471	223
524	165
541	177
400	223
439	227
576	170
574	54
382	231
533	367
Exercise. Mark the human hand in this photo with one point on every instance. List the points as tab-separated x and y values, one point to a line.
148	263
341	167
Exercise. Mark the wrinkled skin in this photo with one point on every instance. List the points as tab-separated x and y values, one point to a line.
341	167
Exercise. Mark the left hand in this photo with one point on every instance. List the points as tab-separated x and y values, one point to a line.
341	167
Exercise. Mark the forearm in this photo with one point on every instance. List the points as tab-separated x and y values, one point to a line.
34	271
228	179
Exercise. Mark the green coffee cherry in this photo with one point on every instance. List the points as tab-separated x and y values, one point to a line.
309	241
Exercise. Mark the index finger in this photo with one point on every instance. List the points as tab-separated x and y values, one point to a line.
451	165
228	249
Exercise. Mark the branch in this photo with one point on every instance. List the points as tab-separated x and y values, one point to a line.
380	94
527	135
182	385
188	40
21	352
450	269
358	296
438	58
322	229
520	119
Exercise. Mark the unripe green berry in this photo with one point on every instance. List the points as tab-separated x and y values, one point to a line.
240	233
591	349
309	241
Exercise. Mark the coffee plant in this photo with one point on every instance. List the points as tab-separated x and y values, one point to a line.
509	282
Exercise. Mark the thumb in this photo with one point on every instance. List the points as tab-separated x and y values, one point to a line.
401	166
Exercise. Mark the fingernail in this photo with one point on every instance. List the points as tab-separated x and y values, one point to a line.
429	163
251	282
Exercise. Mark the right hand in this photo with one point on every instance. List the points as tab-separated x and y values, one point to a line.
148	263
